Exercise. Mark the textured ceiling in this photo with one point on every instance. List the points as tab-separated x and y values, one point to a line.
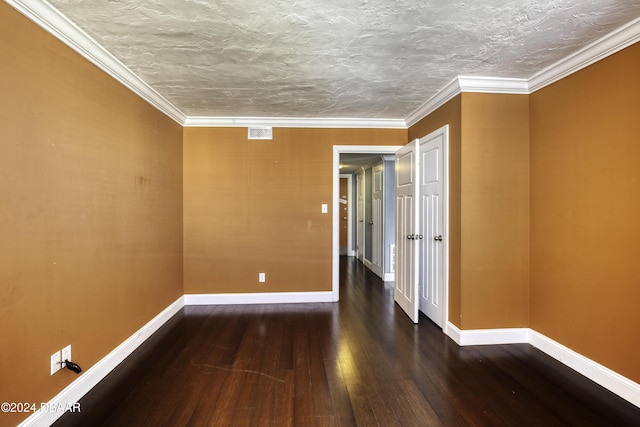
335	58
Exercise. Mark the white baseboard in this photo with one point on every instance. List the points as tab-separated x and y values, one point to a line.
258	298
389	277
611	380
87	380
487	336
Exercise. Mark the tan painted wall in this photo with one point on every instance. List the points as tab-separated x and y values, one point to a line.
585	211
254	206
449	113
495	211
90	211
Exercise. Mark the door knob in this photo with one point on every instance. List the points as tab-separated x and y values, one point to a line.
410	237
438	238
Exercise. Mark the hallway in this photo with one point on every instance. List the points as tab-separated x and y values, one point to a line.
358	362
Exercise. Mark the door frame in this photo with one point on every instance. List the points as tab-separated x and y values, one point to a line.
335	243
350	247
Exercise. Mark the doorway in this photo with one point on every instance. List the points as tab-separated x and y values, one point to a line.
337	151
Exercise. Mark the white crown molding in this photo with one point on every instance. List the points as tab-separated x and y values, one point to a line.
49	18
611	43
446	94
258	298
54	22
294	122
606	46
493	85
88	379
467	84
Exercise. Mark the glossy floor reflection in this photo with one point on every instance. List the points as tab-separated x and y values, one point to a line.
357	362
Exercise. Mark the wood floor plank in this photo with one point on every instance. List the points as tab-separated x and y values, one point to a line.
303	395
357	362
341	403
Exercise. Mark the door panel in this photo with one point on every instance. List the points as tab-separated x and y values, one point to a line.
377	219
360	216
431	250
407	210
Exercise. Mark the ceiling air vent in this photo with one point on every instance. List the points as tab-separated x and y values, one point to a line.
260	133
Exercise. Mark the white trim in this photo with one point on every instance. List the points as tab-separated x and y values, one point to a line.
487	336
611	380
389	277
92	376
493	85
616	383
606	46
446	94
335	240
54	22
611	43
349	178
257	298
452	332
295	122
467	84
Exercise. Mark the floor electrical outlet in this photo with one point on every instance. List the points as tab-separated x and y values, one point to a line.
55	362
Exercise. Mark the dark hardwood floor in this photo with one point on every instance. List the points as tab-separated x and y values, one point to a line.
357	362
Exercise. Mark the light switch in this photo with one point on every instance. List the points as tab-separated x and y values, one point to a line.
325	208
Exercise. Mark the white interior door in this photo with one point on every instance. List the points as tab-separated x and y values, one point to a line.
432	223
360	216
407	210
377	226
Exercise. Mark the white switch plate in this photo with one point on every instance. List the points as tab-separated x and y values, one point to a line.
66	353
55	362
325	208
262	277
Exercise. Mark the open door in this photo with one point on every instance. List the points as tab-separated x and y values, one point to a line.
433	202
360	215
407	236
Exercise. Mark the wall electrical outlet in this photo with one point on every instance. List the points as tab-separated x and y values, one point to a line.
66	353
262	277
55	362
